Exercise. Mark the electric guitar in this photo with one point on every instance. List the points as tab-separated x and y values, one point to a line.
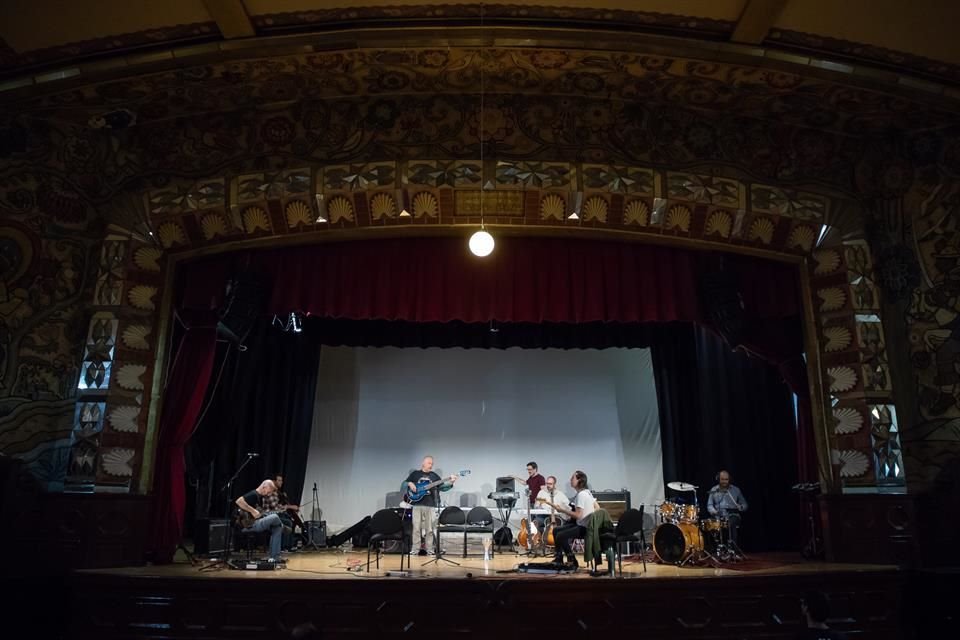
424	487
246	520
559	508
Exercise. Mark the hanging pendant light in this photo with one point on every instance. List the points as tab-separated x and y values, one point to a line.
481	242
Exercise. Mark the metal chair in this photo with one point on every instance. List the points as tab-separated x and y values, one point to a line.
479	520
386	524
629	525
452	520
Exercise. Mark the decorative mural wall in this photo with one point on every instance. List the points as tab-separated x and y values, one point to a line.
46	277
100	182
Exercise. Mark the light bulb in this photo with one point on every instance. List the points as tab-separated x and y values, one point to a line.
481	244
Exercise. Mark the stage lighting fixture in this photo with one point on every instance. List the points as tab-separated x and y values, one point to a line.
481	244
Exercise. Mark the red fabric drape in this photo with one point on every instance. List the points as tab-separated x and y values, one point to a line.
525	280
182	400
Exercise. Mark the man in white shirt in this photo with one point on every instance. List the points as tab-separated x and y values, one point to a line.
549	494
583	505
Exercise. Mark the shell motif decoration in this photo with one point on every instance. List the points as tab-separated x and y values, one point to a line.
382	206
595	208
298	213
847	420
124	418
148	259
719	223
853	463
212	226
828	261
801	237
171	235
255	219
425	205
761	230
552	207
135	337
128	377
636	212
340	208
842	379
678	218
141	297
837	339
832	298
117	462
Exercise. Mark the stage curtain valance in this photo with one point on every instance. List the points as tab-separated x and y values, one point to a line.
525	280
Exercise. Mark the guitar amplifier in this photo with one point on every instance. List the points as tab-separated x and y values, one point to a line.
210	537
615	502
316	532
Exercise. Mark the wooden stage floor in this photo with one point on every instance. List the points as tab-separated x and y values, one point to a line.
336	564
758	598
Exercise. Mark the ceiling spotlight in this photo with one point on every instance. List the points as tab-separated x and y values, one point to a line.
402	204
577	205
321	209
481	244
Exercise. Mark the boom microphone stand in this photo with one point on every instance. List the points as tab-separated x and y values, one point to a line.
227	490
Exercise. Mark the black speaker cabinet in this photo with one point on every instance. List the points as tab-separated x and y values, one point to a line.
316	532
615	502
210	537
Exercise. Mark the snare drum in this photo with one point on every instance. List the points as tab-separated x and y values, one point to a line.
713	524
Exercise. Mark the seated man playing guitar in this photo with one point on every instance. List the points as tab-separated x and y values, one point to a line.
259	513
582	506
289	513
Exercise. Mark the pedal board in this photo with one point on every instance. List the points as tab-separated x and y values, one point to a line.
257	565
544	567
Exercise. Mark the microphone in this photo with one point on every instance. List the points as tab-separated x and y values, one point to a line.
253	455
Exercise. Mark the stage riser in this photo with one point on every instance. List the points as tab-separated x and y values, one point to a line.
731	607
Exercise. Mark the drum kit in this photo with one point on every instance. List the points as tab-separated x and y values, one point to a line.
682	537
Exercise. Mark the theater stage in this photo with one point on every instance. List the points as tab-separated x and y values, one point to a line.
757	598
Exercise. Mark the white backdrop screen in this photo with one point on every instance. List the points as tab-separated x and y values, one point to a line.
378	411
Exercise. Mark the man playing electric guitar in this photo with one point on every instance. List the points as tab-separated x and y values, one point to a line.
583	505
425	504
258	509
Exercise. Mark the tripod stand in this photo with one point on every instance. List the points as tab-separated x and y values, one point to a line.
227	490
437	551
315	516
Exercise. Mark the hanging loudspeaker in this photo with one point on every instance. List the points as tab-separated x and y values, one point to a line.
244	299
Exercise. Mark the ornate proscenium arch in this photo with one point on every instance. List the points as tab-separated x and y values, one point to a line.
670	146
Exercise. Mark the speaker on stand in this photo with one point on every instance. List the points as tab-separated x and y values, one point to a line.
243	301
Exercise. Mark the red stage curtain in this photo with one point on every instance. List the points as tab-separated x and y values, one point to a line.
524	280
182	399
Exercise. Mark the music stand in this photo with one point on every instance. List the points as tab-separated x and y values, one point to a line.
437	552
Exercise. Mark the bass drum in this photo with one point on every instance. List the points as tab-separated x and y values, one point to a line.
674	543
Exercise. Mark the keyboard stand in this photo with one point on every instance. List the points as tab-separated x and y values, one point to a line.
505	508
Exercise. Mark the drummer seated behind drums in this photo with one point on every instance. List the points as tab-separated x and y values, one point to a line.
727	501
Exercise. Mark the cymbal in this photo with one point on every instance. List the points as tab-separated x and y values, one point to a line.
681	486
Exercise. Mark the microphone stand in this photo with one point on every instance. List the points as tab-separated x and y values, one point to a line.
227	490
314	517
